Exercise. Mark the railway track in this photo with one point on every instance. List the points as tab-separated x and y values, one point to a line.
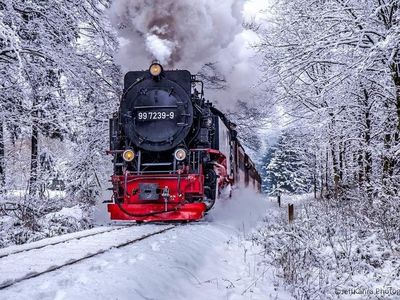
40	245
47	258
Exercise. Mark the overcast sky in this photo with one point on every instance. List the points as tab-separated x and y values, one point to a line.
253	7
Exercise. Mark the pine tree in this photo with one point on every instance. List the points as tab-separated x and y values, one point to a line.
286	171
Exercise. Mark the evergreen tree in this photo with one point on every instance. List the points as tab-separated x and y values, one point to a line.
285	169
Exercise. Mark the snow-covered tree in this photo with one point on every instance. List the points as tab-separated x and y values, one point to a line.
338	68
286	169
58	85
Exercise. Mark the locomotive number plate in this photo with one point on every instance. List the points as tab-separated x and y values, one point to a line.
155	115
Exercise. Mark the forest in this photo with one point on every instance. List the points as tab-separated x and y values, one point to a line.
335	70
58	86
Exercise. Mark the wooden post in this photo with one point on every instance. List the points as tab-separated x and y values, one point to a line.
291	212
279	199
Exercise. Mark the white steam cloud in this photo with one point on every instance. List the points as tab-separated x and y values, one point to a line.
178	33
186	34
241	212
159	48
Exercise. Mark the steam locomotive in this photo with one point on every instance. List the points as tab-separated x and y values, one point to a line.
173	152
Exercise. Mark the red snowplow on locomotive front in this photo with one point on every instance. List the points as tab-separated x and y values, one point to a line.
173	152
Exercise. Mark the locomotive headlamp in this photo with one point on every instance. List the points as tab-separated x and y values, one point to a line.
128	155
180	154
155	69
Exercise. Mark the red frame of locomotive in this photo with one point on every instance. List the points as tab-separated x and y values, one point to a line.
173	207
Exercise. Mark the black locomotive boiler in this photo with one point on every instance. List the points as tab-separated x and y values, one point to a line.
173	152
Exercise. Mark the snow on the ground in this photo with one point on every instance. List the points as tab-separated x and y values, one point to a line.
17	266
61	238
100	213
67	212
211	259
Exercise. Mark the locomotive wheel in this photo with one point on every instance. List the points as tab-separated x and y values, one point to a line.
208	199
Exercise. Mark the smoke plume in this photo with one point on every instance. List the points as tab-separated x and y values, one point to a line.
203	36
179	33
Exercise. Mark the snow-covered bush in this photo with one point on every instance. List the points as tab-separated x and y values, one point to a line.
22	221
333	246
